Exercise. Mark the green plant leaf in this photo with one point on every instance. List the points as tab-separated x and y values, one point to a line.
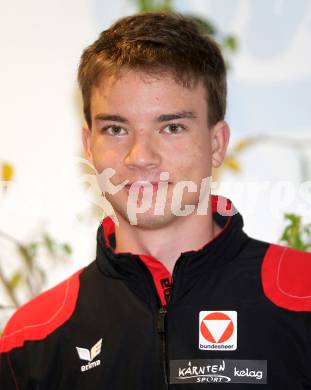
230	42
49	244
67	249
32	249
203	24
295	234
15	280
24	251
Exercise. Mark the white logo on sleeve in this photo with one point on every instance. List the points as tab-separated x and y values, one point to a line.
90	355
218	330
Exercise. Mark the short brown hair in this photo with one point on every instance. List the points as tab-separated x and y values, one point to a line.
157	42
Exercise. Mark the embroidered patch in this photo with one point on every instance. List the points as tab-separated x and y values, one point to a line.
218	330
218	371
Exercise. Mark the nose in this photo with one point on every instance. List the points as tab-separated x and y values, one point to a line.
143	153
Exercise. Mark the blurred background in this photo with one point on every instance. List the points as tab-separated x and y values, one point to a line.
49	210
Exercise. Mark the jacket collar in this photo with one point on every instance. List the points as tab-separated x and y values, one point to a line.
223	248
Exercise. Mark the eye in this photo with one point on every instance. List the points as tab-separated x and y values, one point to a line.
114	130
174	128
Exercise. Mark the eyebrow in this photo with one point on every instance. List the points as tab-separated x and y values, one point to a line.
111	117
161	118
176	115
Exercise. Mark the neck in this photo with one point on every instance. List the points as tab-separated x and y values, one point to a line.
168	242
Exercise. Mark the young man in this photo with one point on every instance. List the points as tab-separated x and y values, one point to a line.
178	296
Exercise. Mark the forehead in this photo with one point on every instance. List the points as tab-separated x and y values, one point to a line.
113	75
132	87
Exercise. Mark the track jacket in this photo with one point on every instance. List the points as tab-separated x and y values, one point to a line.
234	314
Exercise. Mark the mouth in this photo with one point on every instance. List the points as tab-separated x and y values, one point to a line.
141	185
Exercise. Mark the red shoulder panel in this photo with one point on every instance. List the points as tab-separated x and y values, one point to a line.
42	315
286	277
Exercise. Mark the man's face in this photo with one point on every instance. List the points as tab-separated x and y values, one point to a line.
143	125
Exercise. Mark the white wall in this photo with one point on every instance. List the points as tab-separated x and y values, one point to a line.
269	93
41	43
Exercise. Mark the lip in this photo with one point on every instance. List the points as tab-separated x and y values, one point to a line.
137	184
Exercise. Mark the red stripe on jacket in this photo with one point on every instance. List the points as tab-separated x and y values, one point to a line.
286	277
42	315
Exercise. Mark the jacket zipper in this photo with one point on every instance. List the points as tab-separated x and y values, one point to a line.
161	331
161	328
161	320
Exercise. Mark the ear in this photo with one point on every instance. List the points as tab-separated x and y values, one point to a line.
86	140
220	135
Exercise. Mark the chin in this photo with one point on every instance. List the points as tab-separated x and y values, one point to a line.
153	222
148	220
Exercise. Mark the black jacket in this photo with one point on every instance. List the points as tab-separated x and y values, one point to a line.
233	314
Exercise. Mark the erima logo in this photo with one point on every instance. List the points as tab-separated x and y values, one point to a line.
90	355
218	330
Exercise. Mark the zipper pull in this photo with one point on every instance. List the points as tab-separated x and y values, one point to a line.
161	319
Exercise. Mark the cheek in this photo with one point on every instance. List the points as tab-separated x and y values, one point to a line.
196	155
104	157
